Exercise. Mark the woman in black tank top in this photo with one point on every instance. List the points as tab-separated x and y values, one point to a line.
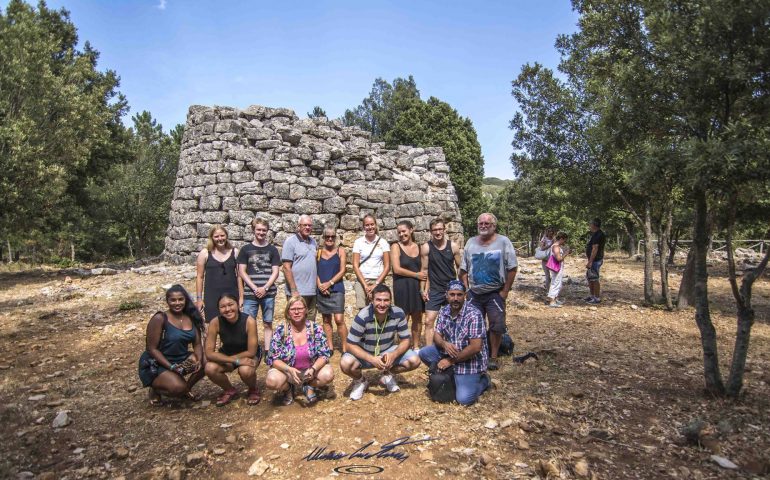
240	350
407	277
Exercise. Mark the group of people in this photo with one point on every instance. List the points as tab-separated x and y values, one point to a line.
233	287
553	245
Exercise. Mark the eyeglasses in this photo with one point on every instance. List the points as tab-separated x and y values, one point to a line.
330	237
306	225
485	224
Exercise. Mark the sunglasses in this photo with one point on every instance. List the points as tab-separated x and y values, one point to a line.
330	237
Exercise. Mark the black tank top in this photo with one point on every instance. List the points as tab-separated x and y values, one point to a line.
233	335
441	266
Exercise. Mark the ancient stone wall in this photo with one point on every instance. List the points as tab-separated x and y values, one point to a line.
237	164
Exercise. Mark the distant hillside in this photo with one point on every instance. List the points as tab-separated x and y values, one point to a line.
492	186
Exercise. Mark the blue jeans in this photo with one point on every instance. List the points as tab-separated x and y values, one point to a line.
468	387
252	305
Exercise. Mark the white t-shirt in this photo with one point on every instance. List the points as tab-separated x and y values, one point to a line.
372	267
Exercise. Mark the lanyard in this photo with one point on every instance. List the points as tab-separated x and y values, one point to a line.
379	333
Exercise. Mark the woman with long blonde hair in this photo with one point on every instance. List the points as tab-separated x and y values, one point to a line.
216	273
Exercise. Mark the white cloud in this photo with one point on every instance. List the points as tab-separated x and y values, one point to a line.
161	5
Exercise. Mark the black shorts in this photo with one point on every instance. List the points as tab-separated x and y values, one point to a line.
436	300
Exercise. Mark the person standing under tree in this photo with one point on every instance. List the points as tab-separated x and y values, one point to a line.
595	257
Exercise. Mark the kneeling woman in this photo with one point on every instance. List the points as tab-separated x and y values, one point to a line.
167	358
237	333
299	355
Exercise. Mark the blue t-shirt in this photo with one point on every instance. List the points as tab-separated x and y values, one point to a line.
301	254
487	265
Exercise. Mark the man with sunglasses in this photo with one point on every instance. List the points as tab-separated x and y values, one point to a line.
299	264
488	269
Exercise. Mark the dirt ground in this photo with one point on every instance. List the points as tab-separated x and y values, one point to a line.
614	386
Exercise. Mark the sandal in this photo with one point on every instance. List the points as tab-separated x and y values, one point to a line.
155	398
191	397
226	397
254	397
288	397
310	394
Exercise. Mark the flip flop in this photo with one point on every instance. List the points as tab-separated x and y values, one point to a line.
309	394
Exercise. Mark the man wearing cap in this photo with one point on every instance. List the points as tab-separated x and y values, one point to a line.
488	269
460	340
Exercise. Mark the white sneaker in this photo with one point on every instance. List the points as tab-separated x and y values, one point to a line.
390	383
359	387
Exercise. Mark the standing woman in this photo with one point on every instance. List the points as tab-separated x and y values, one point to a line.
545	243
238	350
216	269
167	358
408	278
299	355
371	261
331	291
559	250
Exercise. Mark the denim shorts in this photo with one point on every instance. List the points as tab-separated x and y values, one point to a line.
251	306
595	266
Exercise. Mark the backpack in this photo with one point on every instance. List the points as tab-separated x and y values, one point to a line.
506	345
441	384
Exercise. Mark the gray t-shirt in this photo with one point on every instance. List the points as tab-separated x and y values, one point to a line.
301	254
487	264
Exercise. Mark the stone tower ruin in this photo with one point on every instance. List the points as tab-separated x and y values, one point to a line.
237	164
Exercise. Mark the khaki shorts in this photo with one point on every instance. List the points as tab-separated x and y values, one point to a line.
361	299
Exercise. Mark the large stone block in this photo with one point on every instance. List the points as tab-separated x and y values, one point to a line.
248	188
308	207
255	202
334	205
320	193
210	202
241	217
410	210
350	222
214	217
231	203
296	192
279	206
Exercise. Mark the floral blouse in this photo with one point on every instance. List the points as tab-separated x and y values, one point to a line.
282	344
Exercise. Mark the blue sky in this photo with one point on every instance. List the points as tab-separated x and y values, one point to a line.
171	54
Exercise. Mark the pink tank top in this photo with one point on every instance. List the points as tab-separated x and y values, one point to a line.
302	357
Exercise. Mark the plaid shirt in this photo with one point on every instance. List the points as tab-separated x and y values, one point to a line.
468	324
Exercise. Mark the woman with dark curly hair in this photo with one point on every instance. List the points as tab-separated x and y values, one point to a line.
167	359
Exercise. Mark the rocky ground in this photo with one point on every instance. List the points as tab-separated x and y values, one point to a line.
616	393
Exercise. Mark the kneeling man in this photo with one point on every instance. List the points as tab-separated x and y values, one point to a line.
372	344
460	340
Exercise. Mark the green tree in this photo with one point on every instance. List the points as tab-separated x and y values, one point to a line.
395	114
56	109
135	197
317	112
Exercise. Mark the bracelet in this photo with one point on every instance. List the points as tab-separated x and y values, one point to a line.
172	367
237	362
199	297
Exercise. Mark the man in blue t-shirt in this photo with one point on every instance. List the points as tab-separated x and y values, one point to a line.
299	264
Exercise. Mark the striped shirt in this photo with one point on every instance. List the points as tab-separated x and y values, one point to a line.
468	324
368	335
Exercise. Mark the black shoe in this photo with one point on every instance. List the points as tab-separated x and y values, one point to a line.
492	365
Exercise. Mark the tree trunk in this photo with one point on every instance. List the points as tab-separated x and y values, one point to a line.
72	252
708	336
10	252
665	234
649	255
742	297
628	225
686	295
